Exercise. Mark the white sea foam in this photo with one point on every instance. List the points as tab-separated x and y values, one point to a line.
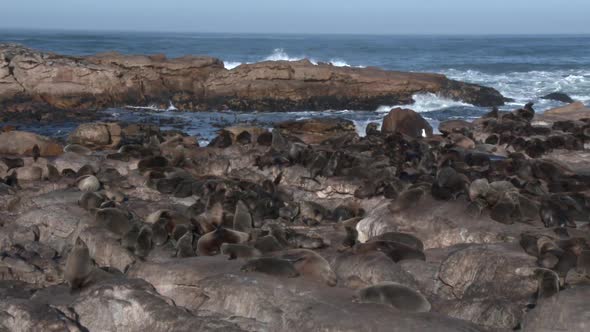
425	102
229	65
529	86
279	54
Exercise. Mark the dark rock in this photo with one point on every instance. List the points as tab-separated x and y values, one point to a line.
559	96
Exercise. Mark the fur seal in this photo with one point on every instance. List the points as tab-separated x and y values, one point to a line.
298	240
90	200
209	220
114	220
583	264
403	238
242	218
210	243
234	251
548	283
267	243
398	296
184	246
88	183
160	233
396	251
144	242
310	264
272	266
36	152
407	199
78	265
77	149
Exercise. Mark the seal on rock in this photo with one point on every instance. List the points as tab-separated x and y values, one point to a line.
78	265
210	243
395	295
310	264
234	251
272	266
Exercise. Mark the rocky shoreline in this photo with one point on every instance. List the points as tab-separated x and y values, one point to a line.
33	80
308	227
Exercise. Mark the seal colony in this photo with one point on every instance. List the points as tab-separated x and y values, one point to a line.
472	229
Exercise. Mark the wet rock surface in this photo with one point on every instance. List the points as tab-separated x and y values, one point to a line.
305	227
32	79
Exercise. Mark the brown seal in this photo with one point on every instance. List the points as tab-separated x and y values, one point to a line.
396	295
210	243
272	266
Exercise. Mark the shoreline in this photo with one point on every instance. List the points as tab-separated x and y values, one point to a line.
37	79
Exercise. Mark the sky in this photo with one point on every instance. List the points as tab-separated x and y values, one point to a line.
304	16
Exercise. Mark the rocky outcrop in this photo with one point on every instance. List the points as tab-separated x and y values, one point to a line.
574	111
314	131
196	83
559	96
23	143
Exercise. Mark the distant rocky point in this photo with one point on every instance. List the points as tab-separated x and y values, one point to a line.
31	79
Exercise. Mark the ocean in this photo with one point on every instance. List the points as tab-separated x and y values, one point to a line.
523	68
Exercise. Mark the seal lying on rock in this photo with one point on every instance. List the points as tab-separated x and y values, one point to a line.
272	266
396	295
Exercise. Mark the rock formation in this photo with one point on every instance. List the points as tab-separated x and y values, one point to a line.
30	79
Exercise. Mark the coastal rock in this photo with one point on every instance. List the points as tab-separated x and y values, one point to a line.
199	83
574	111
559	96
407	122
22	143
567	311
96	135
315	131
214	284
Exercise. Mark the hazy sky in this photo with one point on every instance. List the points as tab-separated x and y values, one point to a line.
304	16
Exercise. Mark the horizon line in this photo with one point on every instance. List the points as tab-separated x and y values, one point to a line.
424	34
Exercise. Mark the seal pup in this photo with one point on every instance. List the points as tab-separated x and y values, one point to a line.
272	266
407	199
242	218
78	265
209	220
310	264
234	251
90	200
210	243
268	243
144	242
184	246
395	295
113	219
36	152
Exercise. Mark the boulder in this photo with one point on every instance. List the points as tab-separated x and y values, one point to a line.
490	272
438	224
559	96
574	111
215	284
567	311
99	309
407	122
315	131
22	143
96	135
